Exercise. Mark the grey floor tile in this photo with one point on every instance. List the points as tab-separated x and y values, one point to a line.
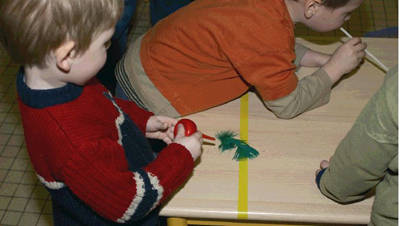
4	202
8	189
11	218
35	206
29	219
18	204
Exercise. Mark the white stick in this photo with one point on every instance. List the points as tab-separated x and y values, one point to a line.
386	69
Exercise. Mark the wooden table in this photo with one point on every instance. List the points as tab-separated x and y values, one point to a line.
280	181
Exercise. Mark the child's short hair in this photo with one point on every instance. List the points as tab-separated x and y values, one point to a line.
31	29
334	3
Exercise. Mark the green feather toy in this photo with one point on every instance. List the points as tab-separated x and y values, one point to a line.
228	142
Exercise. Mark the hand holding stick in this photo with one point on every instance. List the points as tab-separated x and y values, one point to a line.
386	69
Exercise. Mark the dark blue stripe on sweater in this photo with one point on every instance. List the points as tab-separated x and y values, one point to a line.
46	98
69	210
149	197
137	149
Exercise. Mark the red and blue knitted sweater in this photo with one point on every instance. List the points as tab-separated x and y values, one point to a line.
93	158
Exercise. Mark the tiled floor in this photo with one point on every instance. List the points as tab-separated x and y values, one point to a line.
23	200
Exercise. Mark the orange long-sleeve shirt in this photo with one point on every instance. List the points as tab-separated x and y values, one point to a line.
212	51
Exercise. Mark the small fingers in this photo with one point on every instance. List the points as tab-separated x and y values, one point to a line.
360	55
163	126
170	132
364	46
198	135
324	164
167	140
360	47
181	131
354	41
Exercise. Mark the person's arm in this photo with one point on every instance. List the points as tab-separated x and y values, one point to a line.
98	175
364	155
311	92
137	114
306	57
314	90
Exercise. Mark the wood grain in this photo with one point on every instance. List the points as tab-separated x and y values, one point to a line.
281	180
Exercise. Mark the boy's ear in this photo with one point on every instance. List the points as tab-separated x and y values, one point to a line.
311	7
64	55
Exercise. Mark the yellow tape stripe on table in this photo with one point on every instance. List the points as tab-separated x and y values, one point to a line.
243	164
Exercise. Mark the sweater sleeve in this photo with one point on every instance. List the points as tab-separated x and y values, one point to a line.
300	50
311	92
98	175
364	156
137	114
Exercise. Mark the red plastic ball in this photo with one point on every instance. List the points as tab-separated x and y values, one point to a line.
189	125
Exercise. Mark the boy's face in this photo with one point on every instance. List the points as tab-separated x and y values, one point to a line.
85	66
326	19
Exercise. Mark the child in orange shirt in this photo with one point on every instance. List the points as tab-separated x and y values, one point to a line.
212	51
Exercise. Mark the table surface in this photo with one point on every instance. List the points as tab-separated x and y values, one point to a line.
281	183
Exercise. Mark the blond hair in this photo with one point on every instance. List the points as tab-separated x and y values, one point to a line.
31	29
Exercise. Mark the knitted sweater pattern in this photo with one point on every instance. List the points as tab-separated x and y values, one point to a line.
89	151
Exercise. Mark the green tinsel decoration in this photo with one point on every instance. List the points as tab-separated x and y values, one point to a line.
228	142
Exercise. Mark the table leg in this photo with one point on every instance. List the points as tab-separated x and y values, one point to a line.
174	221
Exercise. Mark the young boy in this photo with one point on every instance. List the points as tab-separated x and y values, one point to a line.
87	148
367	157
212	51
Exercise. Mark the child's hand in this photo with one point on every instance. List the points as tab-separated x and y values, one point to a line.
161	127
345	58
192	143
324	164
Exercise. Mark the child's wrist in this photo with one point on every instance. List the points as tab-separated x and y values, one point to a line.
333	74
324	59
